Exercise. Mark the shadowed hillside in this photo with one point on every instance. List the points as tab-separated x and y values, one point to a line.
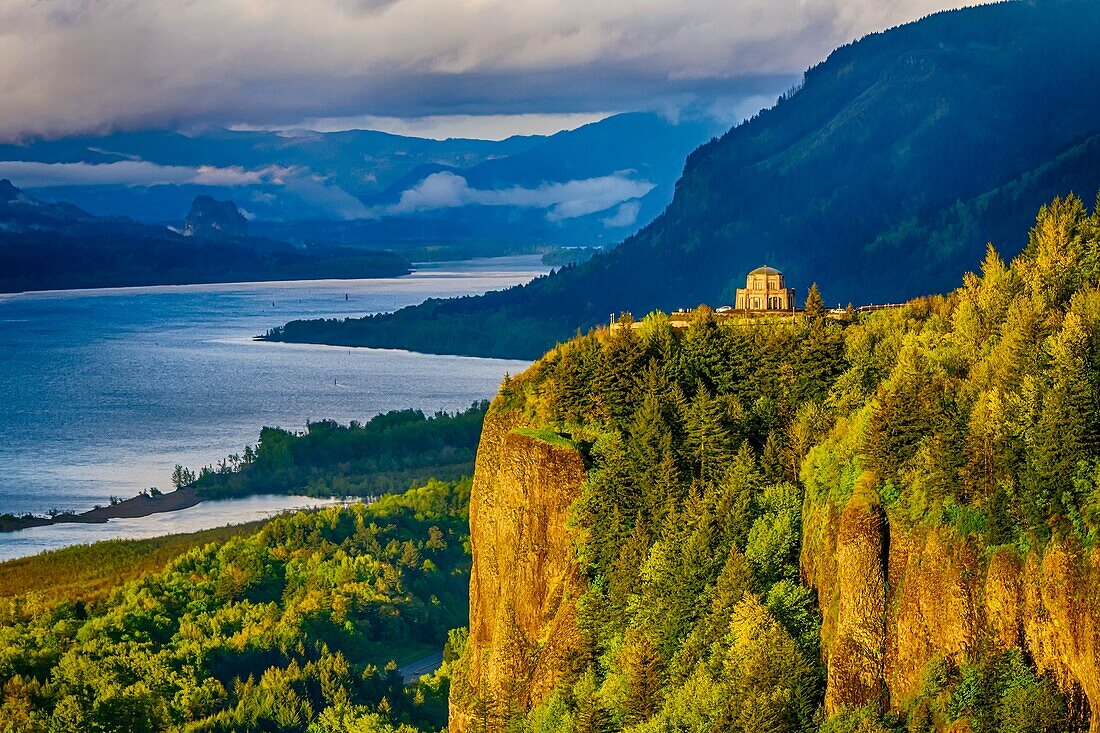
885	174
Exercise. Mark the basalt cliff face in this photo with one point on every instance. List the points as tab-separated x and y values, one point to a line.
525	580
893	598
896	598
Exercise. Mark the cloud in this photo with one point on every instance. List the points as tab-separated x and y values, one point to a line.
326	196
624	216
74	65
567	200
29	174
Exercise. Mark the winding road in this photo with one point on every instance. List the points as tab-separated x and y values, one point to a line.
413	671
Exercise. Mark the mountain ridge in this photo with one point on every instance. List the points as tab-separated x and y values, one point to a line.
834	184
50	246
342	187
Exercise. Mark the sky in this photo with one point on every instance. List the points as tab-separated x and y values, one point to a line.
437	68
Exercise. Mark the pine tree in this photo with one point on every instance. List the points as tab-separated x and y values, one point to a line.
815	306
1068	429
709	438
644	670
733	499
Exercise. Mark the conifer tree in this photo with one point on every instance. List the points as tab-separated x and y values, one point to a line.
1068	430
815	306
710	439
644	670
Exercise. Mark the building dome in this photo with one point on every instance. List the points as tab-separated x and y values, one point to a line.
765	290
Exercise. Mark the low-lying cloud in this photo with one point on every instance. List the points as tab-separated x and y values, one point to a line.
30	174
444	190
625	216
566	200
75	66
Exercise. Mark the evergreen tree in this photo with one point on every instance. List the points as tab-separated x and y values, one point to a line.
815	305
644	670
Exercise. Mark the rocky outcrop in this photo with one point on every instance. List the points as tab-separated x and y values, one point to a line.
525	580
895	597
214	219
8	192
859	643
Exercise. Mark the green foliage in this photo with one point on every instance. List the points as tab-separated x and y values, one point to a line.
292	627
860	720
814	306
977	410
776	535
546	436
84	573
390	452
995	694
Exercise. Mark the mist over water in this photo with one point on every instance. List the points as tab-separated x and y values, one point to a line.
102	392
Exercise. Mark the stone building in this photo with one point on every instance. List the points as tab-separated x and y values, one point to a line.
765	290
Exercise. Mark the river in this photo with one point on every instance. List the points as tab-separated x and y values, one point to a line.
104	391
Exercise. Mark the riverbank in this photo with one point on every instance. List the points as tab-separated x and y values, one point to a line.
207	514
142	505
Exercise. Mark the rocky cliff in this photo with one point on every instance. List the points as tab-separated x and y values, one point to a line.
897	597
525	582
214	219
894	598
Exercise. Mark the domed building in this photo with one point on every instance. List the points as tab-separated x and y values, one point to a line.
765	290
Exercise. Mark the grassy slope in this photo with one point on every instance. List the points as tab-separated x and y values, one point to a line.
89	572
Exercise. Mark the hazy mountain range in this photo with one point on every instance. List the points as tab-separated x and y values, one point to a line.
46	245
592	185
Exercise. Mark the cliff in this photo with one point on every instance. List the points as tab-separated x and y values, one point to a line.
525	582
211	218
896	598
882	521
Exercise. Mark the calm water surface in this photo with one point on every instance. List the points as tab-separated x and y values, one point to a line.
206	515
102	392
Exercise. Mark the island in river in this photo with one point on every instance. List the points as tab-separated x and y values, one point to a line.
141	505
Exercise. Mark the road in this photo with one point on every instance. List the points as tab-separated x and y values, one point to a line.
413	671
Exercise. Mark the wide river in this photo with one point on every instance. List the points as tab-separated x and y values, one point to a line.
104	391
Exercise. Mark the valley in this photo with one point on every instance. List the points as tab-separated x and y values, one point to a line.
669	406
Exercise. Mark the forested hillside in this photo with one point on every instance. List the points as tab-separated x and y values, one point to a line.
885	174
294	627
886	523
390	452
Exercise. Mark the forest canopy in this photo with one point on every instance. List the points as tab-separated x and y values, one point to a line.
299	626
976	411
390	452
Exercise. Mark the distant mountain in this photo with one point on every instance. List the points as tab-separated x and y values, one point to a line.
209	218
881	178
592	185
47	245
20	212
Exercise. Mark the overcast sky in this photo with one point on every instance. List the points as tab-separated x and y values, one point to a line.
435	67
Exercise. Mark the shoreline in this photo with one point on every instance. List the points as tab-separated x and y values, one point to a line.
141	505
